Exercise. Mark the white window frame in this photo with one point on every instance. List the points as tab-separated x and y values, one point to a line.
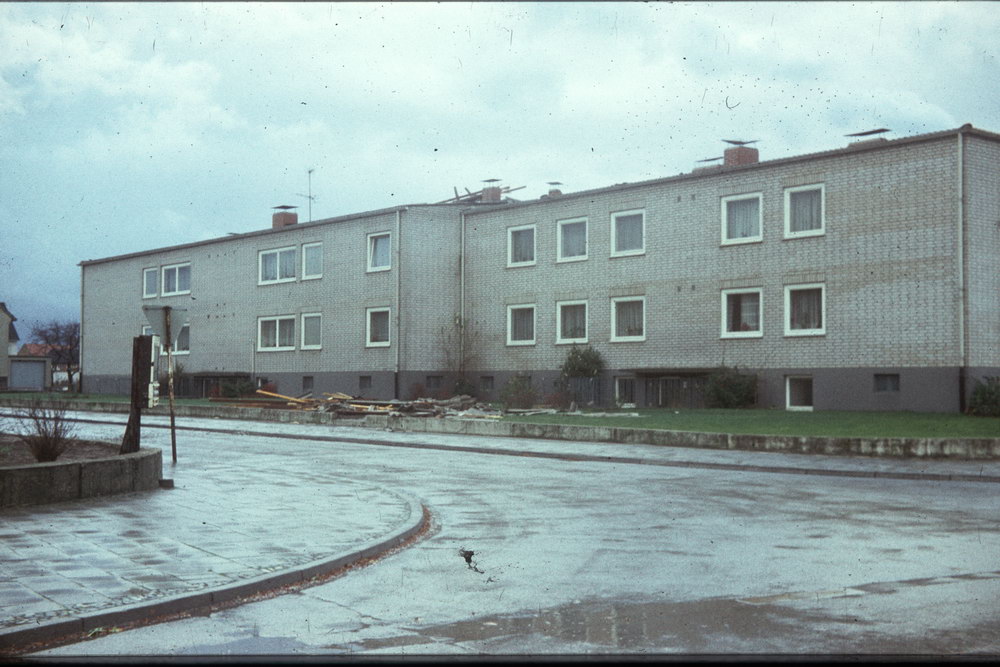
155	271
788	393
586	239
615	252
614	319
148	331
176	269
371	246
277	265
310	246
368	326
534	323
788	309
760	218
724	331
302	335
510	245
586	322
618	398
277	319
789	234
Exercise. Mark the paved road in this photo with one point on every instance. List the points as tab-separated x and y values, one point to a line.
597	557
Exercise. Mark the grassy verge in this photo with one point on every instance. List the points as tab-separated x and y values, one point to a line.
95	398
783	422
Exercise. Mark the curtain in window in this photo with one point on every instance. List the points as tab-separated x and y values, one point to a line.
184	278
269	334
522	324
742	218
807	309
806	210
286	264
286	333
574	239
379	327
522	245
380	251
313	260
744	312
150	284
628	318
574	321
310	330
628	232
269	266
184	339
169	280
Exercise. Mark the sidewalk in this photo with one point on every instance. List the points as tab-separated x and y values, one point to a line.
70	568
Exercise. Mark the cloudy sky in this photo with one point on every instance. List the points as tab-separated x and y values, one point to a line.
127	127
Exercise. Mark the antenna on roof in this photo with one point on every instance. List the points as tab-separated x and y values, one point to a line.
309	196
711	159
869	132
737	142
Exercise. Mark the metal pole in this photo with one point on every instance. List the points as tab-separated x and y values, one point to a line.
170	384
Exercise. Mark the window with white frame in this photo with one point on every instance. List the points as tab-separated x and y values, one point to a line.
805	310
625	392
312	261
741	219
181	346
377	327
276	333
799	392
149	282
572	245
521	245
571	322
177	279
741	309
379	251
521	324
805	211
312	331
628	233
628	319
276	266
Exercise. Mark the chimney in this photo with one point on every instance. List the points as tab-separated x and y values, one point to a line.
553	190
740	155
491	195
283	216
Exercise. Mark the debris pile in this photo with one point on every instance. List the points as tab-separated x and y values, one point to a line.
349	406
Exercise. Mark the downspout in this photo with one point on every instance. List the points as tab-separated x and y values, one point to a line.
398	308
461	300
79	370
962	287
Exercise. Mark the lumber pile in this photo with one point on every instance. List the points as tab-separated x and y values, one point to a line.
349	406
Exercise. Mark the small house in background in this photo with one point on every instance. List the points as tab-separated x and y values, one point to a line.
59	368
8	343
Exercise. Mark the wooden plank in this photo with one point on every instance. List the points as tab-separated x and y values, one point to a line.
287	398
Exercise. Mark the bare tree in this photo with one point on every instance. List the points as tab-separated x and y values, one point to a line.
63	342
459	345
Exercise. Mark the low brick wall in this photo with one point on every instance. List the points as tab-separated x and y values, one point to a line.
43	483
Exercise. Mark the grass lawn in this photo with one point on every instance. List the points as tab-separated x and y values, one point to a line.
97	398
783	422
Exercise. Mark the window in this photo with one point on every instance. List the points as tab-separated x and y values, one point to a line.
628	319
741	313
741	219
312	327
149	286
628	233
276	333
521	245
625	392
364	383
805	307
379	251
377	330
276	266
571	322
307	383
521	324
572	240
433	382
799	392
177	279
181	346
805	211
886	383
486	383
312	261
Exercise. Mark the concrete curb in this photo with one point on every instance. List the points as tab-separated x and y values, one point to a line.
13	638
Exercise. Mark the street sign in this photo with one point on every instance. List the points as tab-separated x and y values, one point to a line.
157	316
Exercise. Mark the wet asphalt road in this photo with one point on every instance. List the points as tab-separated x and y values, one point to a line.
592	557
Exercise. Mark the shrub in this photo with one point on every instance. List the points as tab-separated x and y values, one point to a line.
236	388
46	431
518	393
464	388
582	362
728	388
985	400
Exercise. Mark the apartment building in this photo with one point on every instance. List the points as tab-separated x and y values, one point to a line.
863	277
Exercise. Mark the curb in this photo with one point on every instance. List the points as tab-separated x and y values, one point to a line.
13	638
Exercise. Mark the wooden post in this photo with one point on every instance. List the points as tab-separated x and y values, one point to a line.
142	350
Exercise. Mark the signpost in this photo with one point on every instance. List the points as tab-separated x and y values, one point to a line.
143	370
167	323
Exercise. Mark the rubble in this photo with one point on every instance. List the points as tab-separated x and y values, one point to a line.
349	406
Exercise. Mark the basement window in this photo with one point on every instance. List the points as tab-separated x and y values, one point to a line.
799	392
886	383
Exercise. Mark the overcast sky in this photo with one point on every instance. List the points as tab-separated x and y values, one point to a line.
128	127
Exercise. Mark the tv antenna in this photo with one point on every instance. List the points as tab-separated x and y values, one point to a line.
711	159
309	196
869	132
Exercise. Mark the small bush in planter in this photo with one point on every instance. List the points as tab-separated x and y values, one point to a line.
46	431
985	399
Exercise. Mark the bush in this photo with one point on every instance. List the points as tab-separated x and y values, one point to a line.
582	362
465	388
728	388
559	399
46	431
985	400
518	393
236	388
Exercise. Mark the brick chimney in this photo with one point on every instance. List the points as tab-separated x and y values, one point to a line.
740	155
491	195
283	216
